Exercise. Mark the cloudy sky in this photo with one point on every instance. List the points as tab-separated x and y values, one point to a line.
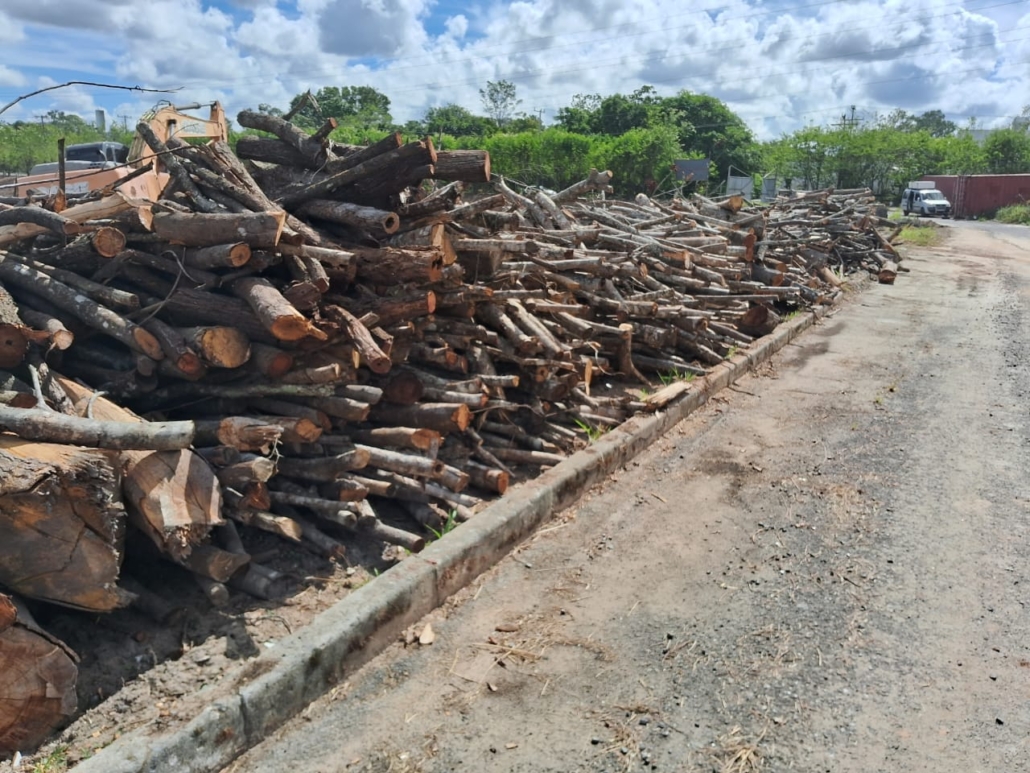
780	64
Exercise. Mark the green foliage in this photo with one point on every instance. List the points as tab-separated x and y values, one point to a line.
499	101
641	159
24	144
55	762
592	432
457	121
360	106
552	158
1007	151
709	129
447	526
672	376
1017	214
921	235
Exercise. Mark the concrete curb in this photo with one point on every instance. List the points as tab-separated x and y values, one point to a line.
280	683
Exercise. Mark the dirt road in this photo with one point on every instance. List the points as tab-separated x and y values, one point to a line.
827	569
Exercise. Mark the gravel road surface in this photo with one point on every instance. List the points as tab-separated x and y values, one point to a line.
826	569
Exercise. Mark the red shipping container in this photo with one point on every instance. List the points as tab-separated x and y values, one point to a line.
973	195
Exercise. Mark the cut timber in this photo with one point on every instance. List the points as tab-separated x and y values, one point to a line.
365	218
61	524
218	256
261	230
37	681
276	313
88	311
47	426
888	273
392	266
471	166
172	496
60	336
443	417
51	221
220	346
241	432
758	320
109	206
371	355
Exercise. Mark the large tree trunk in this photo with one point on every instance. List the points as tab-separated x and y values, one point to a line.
61	524
172	496
37	680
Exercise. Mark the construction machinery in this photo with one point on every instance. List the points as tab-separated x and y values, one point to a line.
96	165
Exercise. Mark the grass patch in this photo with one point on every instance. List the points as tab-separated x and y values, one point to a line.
1015	214
592	432
922	235
448	525
672	376
55	762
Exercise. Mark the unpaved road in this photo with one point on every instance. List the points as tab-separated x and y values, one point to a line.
827	569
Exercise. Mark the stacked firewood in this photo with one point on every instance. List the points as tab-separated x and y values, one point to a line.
301	335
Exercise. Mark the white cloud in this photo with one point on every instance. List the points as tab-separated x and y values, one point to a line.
778	64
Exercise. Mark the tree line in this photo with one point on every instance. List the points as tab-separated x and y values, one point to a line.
638	136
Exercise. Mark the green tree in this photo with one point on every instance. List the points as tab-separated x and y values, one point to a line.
457	121
361	106
1007	151
579	116
705	125
935	124
500	99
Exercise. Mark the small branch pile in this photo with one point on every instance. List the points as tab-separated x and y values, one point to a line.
302	336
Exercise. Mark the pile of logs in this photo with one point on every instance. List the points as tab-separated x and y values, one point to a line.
302	336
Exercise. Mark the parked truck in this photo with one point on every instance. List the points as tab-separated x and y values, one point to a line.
922	198
95	165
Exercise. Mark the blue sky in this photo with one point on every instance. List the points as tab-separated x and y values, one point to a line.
779	63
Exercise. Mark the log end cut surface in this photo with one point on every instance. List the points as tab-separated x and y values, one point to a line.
61	524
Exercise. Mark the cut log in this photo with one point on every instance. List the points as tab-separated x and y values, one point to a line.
359	335
261	230
37	682
355	215
49	427
472	166
88	311
442	417
172	496
218	256
98	209
888	273
61	524
391	266
218	346
242	432
758	320
276	313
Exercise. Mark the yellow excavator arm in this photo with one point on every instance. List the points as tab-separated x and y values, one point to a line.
169	121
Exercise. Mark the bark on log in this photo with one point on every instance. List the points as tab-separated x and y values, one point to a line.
49	427
355	215
359	335
324	470
261	230
242	432
314	151
88	311
51	221
37	682
218	256
391	266
472	166
442	417
172	496
107	207
278	316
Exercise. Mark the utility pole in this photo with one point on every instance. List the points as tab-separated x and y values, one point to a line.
540	115
125	122
848	123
